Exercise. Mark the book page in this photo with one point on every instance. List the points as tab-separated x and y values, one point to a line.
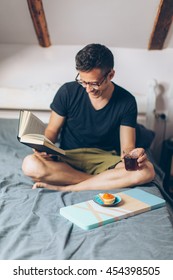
30	124
35	138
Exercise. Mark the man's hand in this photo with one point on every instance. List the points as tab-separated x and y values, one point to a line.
142	157
137	153
48	157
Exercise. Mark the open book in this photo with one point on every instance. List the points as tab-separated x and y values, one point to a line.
31	133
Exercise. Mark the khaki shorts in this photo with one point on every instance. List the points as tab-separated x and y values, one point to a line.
91	160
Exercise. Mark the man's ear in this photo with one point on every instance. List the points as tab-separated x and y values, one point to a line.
112	74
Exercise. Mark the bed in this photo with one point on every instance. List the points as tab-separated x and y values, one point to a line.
31	227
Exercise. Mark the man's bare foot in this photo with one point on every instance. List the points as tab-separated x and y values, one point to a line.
44	186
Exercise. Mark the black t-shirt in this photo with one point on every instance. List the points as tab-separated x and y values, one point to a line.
86	127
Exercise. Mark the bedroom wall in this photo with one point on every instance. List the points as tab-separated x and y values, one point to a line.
22	66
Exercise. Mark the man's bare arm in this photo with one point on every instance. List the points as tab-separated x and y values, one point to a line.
54	126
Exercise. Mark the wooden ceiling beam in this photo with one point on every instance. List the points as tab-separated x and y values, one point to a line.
162	24
39	21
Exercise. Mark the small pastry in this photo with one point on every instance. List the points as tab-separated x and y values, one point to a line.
108	198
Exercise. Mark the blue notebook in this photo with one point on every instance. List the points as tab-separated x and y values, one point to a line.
91	214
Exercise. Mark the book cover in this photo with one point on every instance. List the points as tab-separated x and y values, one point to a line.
89	214
46	149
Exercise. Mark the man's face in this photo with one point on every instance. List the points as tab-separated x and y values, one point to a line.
94	81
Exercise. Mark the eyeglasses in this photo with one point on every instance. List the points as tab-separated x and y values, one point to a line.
91	85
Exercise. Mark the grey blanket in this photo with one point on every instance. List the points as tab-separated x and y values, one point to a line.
32	228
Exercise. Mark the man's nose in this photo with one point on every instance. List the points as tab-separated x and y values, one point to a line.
89	88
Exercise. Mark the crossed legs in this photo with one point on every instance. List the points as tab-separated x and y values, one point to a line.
62	177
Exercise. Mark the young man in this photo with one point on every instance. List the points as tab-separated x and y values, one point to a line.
97	119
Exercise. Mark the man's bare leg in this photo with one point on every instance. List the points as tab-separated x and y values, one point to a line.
52	172
107	180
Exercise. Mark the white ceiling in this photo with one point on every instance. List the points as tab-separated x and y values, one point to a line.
115	23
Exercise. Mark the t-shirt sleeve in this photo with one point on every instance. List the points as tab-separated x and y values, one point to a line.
60	101
129	117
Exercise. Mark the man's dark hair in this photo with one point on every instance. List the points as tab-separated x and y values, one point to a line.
94	56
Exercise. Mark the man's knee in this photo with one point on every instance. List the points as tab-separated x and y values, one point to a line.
145	175
27	165
30	166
